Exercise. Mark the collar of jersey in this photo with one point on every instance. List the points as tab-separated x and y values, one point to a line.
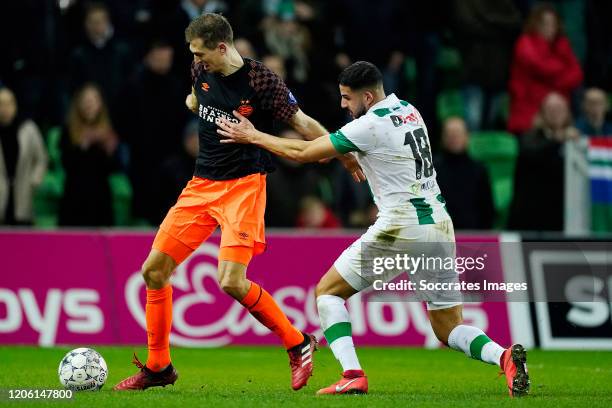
390	100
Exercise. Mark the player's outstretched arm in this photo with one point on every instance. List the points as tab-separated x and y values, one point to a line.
310	129
299	150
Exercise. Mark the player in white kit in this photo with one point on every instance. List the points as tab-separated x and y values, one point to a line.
392	146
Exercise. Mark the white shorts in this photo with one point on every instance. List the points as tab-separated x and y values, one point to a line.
412	239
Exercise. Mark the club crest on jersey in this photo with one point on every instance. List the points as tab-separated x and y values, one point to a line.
245	109
205	86
291	99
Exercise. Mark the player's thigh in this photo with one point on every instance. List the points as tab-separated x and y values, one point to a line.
353	264
186	225
240	213
332	283
434	244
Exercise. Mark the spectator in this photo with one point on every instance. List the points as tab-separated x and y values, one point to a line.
290	40
152	114
485	31
539	175
543	63
245	48
464	182
88	145
315	214
276	64
353	202
319	94
362	218
402	28
102	59
385	17
28	50
593	121
23	163
177	170
598	65
284	193
170	23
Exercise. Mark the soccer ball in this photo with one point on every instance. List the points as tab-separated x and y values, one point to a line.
83	369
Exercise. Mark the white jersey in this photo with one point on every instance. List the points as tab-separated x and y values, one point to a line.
393	150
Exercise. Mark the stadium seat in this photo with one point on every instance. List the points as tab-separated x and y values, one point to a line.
449	59
505	108
46	200
573	15
498	152
122	198
48	194
449	68
54	151
410	69
449	103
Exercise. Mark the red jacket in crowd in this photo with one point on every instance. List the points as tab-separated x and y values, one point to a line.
539	68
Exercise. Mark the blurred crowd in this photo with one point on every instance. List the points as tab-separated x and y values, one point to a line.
92	100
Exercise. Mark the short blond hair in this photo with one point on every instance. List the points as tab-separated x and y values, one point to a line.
211	28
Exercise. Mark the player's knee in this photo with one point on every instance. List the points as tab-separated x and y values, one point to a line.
233	286
320	289
154	275
324	287
228	286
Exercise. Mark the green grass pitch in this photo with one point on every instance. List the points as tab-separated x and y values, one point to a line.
259	376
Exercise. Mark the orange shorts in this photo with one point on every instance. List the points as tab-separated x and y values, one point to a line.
237	205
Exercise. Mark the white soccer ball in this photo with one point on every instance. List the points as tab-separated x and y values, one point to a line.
83	369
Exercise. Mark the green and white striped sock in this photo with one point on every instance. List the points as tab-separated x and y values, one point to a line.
336	326
475	343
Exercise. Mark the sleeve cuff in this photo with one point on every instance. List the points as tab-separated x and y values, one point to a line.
342	144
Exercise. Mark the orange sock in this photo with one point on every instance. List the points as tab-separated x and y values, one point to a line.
263	307
158	312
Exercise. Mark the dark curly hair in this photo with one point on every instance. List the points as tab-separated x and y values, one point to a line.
359	75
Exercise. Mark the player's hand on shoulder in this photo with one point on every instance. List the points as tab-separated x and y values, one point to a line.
241	132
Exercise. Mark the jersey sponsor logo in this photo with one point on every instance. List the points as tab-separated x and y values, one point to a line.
291	99
245	109
211	114
205	86
399	120
417	188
